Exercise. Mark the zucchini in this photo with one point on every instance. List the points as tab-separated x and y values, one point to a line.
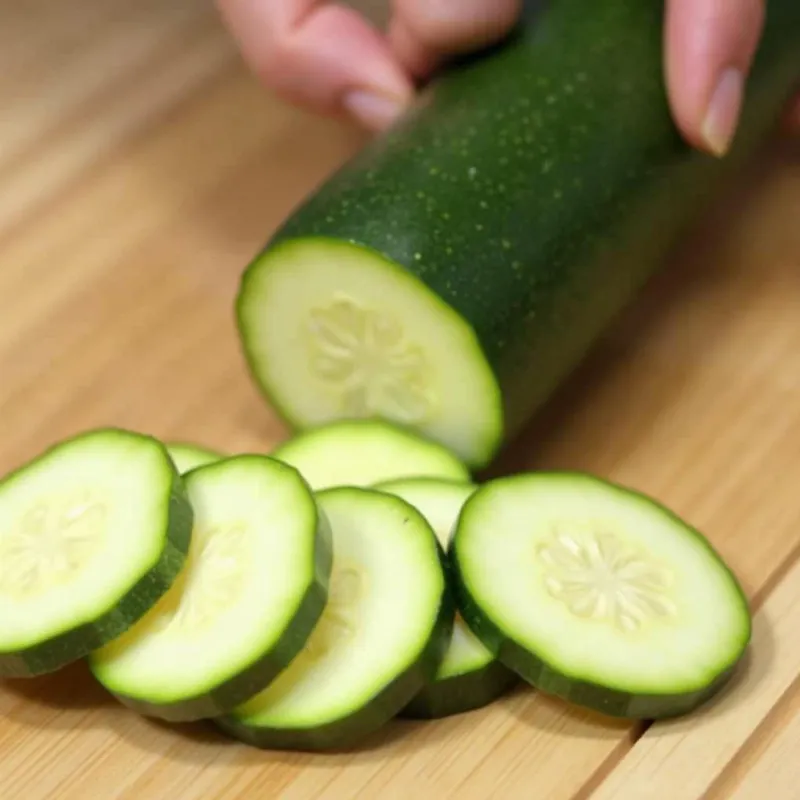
453	273
364	452
252	592
603	597
469	676
93	532
188	456
383	634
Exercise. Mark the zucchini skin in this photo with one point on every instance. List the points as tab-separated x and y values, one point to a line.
267	667
458	694
77	643
605	700
537	187
348	731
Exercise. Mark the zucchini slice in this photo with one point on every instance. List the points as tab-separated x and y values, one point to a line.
252	592
469	676
187	456
365	452
383	634
597	594
93	532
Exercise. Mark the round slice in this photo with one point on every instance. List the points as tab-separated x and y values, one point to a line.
364	452
190	456
332	330
252	592
382	636
93	532
598	594
469	676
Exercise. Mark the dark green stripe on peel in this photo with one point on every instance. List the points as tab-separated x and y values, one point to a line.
345	732
461	693
79	642
257	675
537	672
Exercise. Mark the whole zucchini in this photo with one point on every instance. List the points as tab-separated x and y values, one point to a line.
454	272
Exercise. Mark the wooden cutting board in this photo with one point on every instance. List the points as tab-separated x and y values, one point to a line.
140	167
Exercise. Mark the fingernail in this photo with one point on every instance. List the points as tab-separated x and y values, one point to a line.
722	114
375	110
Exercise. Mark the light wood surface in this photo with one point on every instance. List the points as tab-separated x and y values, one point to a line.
140	167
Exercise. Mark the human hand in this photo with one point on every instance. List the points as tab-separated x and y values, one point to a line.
327	57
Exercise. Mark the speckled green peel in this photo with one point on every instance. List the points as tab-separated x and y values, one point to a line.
610	601
531	191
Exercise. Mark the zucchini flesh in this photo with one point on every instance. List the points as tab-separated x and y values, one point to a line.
602	597
469	676
93	532
455	271
187	457
383	634
365	452
254	588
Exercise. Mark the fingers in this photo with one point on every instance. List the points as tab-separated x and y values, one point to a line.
710	45
326	56
320	55
425	32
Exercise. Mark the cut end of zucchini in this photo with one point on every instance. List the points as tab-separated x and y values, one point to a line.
332	330
253	589
365	452
598	594
187	457
381	636
92	533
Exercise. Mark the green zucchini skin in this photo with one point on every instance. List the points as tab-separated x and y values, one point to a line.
603	699
461	693
536	188
78	642
345	733
263	670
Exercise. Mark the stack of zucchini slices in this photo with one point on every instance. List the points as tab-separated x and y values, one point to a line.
357	573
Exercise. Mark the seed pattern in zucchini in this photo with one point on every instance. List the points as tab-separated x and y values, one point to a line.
253	590
93	532
384	632
460	266
469	676
604	598
365	452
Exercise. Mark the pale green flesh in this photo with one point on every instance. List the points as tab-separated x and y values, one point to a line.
335	331
365	452
601	583
78	529
385	591
250	564
187	457
440	502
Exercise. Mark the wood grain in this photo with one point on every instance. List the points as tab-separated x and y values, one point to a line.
141	166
